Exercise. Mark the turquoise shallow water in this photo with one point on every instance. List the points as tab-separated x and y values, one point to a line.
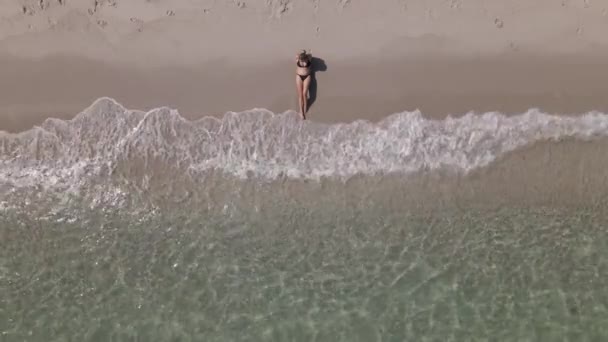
306	274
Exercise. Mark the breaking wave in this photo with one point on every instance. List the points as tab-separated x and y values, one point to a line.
265	145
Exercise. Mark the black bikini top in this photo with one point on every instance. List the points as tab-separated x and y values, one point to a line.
306	64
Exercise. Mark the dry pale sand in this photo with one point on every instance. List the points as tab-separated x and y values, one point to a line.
187	32
208	57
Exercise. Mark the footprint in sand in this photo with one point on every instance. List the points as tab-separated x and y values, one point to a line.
98	3
278	8
28	10
455	4
343	3
43	4
499	23
102	23
138	22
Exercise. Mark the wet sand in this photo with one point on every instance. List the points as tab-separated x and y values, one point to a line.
32	90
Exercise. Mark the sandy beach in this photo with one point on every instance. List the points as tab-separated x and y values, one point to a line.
62	86
206	58
210	57
450	184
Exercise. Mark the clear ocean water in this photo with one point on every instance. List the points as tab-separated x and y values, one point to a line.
123	225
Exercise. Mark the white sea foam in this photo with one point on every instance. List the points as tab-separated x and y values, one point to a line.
267	145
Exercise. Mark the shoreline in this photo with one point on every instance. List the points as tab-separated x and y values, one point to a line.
61	87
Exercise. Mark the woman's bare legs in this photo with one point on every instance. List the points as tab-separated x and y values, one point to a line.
300	91
305	87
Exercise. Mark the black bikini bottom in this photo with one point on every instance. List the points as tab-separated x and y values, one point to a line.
304	77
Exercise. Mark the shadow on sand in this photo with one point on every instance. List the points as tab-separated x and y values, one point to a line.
318	65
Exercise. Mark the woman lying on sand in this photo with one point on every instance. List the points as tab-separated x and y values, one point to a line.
303	76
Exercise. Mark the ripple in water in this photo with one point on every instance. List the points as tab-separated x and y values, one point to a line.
122	225
302	274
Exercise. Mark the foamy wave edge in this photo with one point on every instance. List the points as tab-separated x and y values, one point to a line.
260	143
